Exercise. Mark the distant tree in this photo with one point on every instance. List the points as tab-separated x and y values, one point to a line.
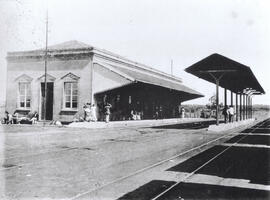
212	103
212	100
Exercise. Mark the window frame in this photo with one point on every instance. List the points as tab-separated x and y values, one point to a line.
71	96
19	107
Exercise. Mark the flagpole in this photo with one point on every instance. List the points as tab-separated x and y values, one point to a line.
45	67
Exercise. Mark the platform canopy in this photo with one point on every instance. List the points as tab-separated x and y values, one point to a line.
232	75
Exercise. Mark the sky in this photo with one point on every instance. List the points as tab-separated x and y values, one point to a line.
152	32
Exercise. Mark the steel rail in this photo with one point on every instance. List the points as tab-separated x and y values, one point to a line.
155	164
203	165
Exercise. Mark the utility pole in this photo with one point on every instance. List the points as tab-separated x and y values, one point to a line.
45	67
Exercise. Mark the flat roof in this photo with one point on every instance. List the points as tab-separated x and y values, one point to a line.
235	76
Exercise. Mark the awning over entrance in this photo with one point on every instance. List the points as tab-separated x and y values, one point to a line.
235	76
134	75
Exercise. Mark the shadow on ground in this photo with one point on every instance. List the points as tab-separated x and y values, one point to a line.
256	130
192	191
205	191
194	125
148	191
237	162
251	139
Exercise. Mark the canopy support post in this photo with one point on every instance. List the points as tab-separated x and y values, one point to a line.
236	106
251	109
217	79
217	101
225	97
246	106
241	107
231	98
225	103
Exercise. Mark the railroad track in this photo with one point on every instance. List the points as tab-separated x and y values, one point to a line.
191	174
72	149
226	135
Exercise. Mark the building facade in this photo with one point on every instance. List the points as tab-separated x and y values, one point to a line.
78	73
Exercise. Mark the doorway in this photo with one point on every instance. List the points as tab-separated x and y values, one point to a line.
49	102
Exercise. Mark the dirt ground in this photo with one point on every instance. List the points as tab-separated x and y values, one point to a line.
50	162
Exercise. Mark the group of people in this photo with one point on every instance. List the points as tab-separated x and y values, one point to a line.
228	112
14	118
90	112
134	115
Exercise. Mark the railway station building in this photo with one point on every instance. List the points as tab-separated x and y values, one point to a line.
78	73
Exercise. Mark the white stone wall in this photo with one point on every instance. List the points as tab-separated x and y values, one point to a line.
56	68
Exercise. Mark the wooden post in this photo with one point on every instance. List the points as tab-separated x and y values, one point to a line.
217	101
249	106
231	98
244	107
236	106
225	97
225	104
217	79
251	110
241	107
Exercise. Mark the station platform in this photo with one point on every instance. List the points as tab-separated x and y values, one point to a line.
160	122
133	123
229	126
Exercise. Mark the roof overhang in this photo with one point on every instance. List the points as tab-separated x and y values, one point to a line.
144	77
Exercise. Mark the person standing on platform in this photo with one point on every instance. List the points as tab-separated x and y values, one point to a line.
182	113
107	112
93	111
231	113
87	112
225	113
132	115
